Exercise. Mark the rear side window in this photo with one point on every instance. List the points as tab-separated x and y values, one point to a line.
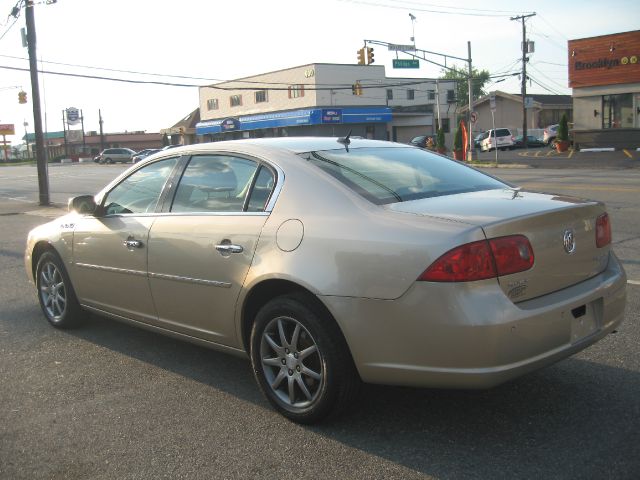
503	132
390	175
214	183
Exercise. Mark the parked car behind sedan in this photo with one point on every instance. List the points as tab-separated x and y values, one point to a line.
328	262
532	142
549	134
116	155
500	138
142	154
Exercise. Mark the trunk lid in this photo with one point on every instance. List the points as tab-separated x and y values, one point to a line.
548	221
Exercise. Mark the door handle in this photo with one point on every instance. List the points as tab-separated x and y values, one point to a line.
227	248
132	243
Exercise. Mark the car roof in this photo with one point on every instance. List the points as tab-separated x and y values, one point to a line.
291	144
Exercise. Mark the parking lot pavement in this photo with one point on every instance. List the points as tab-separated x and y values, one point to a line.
544	157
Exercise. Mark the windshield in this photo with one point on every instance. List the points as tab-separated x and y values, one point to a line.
390	175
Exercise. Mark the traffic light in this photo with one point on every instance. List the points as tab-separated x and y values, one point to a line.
370	59
22	96
361	60
356	89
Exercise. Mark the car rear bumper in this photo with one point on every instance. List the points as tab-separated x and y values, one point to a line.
471	335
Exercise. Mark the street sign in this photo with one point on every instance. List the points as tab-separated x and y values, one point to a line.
528	102
395	48
406	63
474	117
492	101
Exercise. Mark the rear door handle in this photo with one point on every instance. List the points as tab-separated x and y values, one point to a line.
227	248
132	243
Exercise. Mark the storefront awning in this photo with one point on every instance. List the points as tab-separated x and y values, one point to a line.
314	116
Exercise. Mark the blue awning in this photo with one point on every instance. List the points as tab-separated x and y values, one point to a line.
314	116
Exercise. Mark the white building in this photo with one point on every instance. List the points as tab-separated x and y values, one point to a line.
325	100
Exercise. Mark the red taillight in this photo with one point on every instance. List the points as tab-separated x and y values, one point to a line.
512	254
603	230
481	260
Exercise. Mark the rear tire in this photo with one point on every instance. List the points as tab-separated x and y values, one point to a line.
301	360
55	293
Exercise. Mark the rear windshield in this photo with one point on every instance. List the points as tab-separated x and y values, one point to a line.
390	175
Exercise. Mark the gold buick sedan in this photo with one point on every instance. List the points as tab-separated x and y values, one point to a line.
336	261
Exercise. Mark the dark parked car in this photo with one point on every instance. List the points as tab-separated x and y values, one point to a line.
532	142
142	154
420	141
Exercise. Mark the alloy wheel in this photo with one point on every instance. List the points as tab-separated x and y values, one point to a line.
292	363
53	292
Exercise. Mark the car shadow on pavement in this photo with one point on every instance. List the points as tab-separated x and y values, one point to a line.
575	419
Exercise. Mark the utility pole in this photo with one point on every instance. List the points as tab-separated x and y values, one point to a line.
470	87
524	74
41	154
101	131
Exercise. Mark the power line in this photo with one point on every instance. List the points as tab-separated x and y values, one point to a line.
455	11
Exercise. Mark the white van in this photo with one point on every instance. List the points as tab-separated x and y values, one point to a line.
502	138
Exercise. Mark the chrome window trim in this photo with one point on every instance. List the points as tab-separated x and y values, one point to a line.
189	214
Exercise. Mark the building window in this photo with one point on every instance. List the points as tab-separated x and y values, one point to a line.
617	111
212	104
431	94
235	100
296	91
261	96
451	96
445	125
389	94
411	94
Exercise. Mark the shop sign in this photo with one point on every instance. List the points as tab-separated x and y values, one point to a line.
333	115
73	115
7	129
230	124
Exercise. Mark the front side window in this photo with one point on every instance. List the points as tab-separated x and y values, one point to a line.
390	175
214	183
140	191
617	111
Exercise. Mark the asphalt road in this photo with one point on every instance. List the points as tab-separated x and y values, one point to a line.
111	401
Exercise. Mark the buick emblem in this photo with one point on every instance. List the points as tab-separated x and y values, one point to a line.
569	241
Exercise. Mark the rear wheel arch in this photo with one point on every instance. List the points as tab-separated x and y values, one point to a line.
267	290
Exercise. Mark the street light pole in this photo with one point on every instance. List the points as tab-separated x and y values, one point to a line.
524	74
41	154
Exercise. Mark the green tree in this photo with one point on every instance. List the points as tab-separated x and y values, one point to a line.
563	129
440	139
457	139
460	74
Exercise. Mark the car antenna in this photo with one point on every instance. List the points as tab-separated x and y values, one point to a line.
345	141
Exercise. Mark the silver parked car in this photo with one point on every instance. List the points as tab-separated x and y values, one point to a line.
335	261
116	155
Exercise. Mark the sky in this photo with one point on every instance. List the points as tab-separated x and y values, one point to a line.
199	42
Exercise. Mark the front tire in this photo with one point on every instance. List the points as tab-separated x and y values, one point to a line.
301	360
55	293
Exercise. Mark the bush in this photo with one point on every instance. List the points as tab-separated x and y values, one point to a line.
440	139
457	139
563	129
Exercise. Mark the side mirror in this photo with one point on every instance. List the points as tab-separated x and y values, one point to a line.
84	204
